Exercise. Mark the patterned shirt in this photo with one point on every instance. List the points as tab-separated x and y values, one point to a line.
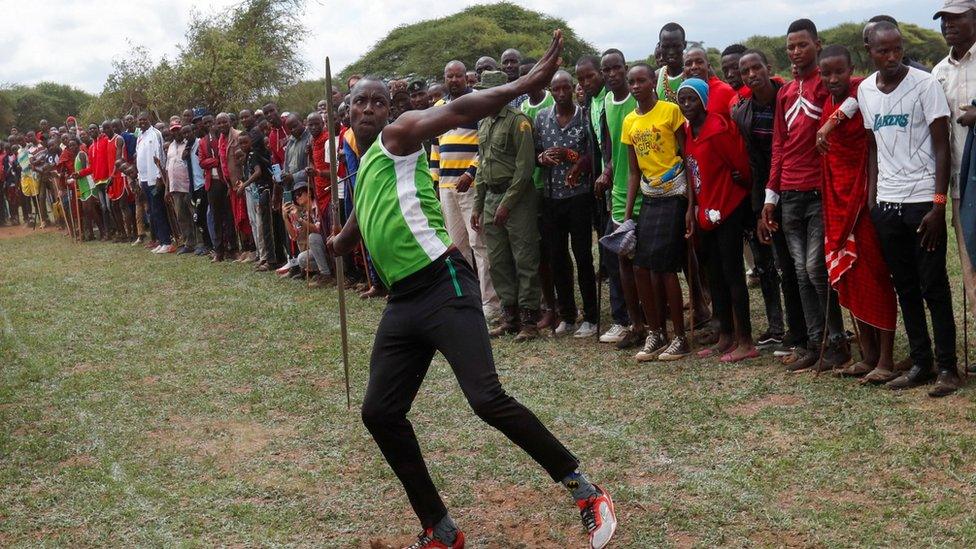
548	133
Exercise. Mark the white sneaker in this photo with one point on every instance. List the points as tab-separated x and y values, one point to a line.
614	334
564	328
156	249
586	329
167	249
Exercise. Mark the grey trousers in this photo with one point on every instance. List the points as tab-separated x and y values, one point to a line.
184	217
804	231
316	248
254	218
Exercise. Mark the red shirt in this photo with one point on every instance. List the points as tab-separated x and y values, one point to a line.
222	156
101	164
276	144
320	161
796	163
721	97
712	157
209	161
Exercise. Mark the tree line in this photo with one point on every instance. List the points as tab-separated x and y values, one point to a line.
249	54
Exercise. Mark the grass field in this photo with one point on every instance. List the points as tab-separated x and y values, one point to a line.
161	401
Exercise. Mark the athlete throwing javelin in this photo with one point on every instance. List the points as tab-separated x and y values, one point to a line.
434	302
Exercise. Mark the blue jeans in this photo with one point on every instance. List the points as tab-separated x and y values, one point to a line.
157	213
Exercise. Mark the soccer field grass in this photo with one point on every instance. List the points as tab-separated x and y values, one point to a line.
153	400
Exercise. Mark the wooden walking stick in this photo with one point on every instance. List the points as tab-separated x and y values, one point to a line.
336	227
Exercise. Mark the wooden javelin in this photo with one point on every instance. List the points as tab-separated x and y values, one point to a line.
336	227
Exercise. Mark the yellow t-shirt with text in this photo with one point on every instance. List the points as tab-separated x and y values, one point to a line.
653	136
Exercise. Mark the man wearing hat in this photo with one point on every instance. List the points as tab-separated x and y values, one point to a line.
419	99
957	74
507	202
180	185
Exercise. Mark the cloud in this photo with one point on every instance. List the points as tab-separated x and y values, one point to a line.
74	42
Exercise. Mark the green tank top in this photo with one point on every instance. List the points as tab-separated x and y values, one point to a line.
398	212
615	114
85	184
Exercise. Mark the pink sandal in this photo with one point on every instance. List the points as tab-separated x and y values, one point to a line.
727	358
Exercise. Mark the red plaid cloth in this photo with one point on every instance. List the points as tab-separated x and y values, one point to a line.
855	266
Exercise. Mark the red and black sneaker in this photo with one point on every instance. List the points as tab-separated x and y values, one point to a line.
426	540
598	517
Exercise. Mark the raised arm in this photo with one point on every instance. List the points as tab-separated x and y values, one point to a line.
407	134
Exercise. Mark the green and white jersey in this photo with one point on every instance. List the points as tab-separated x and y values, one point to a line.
532	111
615	114
398	212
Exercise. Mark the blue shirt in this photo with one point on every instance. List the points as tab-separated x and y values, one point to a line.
130	144
198	176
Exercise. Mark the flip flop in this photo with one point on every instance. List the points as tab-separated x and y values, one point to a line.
727	358
877	377
857	369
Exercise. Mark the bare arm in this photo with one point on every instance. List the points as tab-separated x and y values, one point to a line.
933	226
408	133
633	182
872	170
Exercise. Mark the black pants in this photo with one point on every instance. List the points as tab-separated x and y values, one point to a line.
919	276
200	215
726	270
777	273
439	309
570	219
223	219
272	228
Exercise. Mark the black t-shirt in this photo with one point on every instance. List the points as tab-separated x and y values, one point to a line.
257	159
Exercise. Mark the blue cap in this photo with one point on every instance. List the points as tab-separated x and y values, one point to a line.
199	113
699	86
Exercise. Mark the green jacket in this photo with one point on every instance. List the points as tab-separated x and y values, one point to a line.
506	157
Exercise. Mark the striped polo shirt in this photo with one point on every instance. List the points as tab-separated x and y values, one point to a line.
454	153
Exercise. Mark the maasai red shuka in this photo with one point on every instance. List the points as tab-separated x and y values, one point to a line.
855	266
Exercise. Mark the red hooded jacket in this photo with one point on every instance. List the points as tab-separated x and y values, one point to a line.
711	158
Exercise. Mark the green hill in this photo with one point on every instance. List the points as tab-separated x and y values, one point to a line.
424	48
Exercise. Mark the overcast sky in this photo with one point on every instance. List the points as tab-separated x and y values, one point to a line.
74	41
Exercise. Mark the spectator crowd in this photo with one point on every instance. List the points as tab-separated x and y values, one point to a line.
826	190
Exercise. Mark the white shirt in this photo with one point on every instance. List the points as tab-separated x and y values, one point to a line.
900	122
958	79
149	146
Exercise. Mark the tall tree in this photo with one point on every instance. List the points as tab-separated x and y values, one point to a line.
25	106
228	60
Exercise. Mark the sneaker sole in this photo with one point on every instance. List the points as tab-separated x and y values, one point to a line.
613	525
651	356
671	358
781	353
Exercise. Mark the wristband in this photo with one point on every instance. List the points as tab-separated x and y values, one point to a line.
940	199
